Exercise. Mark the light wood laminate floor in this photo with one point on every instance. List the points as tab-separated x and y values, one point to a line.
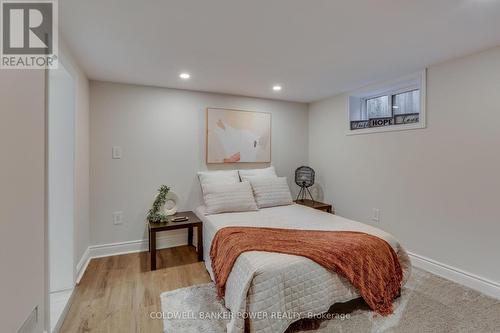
118	293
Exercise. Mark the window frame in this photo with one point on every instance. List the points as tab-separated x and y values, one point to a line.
356	101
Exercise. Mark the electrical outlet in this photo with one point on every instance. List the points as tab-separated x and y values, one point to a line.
376	215
117	218
116	152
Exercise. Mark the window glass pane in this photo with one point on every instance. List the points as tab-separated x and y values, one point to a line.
378	107
408	102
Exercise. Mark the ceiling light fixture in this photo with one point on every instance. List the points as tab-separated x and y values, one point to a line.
184	76
277	87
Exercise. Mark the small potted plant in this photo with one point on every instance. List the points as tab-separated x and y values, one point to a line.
155	215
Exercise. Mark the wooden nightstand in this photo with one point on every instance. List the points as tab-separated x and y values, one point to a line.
316	205
193	221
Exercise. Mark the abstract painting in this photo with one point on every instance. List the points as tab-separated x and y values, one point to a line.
235	136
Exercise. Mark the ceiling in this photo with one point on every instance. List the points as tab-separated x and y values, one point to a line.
313	48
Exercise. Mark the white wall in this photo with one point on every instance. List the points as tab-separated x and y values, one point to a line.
162	135
61	175
22	197
438	188
82	153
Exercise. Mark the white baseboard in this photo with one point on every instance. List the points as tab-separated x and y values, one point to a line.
163	242
60	321
82	265
483	285
105	250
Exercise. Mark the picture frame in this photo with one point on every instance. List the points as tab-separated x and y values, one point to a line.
237	136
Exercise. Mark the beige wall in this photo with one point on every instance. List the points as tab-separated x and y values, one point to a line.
22	192
82	153
438	188
162	135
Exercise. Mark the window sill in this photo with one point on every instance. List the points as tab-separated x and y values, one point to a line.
394	128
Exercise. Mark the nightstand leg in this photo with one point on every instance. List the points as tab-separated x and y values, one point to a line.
200	244
153	250
190	236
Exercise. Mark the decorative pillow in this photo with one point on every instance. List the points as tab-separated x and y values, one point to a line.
271	191
221	198
218	177
244	174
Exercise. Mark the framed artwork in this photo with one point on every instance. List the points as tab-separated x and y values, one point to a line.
236	136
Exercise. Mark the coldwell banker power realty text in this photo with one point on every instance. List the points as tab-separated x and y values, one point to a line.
29	34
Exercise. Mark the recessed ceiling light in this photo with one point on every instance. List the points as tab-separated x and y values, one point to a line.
277	87
184	76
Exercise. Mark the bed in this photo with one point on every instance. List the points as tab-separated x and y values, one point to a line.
278	289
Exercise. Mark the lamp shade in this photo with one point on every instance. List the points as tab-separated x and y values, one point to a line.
304	176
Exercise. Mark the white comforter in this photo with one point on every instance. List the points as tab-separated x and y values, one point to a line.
278	289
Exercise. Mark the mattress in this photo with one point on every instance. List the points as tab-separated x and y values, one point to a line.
272	290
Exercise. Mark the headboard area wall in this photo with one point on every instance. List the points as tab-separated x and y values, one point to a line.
161	134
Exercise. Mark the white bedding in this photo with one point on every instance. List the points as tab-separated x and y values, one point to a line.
278	289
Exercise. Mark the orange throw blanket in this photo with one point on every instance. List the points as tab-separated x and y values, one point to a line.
368	262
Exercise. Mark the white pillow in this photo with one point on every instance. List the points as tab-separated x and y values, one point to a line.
218	177
244	174
221	198
271	191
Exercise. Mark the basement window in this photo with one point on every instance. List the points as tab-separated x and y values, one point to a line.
393	106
